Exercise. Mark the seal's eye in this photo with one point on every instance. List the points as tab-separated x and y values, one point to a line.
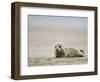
55	46
59	46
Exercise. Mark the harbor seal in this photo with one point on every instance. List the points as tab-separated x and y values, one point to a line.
60	51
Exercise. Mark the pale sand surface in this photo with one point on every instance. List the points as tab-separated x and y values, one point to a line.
57	61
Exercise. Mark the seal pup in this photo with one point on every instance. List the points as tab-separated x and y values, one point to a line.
60	51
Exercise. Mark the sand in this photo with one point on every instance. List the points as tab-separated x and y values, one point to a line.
57	61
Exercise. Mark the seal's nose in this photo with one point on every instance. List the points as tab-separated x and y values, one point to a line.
57	49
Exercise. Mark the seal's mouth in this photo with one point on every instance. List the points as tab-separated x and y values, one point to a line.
57	49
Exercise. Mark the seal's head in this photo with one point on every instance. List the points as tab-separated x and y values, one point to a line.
59	49
59	46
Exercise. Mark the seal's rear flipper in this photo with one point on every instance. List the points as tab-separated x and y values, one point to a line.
82	53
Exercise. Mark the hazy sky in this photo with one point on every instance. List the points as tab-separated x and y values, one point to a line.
57	21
